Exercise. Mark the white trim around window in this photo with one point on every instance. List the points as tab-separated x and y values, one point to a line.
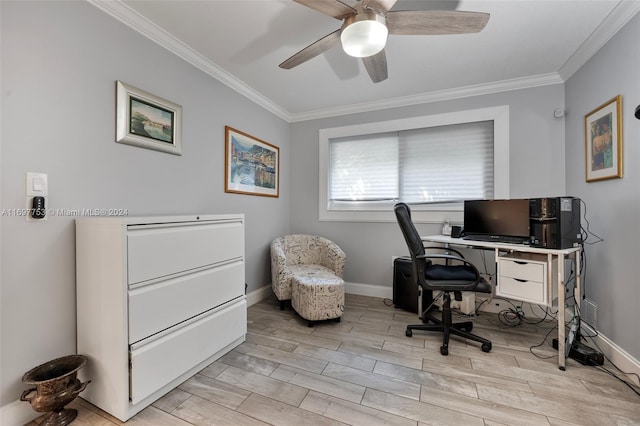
432	213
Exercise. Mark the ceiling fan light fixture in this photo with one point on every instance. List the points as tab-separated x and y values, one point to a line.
364	34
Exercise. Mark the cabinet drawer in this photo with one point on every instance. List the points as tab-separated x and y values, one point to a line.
159	250
162	359
153	308
528	291
522	270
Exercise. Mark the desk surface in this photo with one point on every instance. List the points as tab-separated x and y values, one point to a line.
445	239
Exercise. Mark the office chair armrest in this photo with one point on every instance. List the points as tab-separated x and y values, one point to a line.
449	249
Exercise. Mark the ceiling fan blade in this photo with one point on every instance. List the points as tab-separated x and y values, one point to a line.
380	6
313	50
334	8
435	22
376	66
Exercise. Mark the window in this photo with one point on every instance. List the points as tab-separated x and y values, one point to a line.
431	162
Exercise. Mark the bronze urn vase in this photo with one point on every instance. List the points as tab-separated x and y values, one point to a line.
56	385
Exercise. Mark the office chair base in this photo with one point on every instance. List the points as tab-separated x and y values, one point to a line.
462	329
437	326
464	326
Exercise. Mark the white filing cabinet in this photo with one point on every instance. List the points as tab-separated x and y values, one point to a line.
158	299
525	277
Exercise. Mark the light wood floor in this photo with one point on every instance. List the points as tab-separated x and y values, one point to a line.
364	371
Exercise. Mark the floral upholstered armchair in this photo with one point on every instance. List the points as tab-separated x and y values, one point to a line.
302	254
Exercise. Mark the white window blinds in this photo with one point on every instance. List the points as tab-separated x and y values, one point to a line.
433	164
364	168
447	163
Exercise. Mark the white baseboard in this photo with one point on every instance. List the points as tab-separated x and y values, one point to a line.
368	290
615	354
257	295
17	413
350	288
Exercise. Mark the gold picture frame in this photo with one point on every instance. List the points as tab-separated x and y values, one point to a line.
603	141
147	121
252	166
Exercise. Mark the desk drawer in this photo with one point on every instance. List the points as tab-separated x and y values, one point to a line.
522	270
160	250
167	356
155	307
527	291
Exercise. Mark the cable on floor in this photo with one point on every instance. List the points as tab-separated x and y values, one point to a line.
546	336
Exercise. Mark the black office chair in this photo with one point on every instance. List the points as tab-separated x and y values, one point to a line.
455	275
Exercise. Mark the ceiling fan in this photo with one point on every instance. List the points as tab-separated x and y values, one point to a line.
365	28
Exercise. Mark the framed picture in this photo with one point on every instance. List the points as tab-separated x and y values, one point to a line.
603	141
147	121
252	166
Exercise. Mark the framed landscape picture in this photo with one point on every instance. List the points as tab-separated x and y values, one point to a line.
147	121
251	165
603	141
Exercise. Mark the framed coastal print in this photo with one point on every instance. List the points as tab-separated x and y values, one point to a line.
147	121
251	165
603	141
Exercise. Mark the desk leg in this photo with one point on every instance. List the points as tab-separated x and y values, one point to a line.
577	292
561	292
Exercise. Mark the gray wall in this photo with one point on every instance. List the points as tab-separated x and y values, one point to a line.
613	206
59	64
536	169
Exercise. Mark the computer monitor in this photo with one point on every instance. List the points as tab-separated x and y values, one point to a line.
497	220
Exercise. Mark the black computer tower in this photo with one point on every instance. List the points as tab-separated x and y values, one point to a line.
405	289
554	223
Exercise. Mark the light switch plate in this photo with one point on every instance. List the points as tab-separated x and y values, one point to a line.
37	186
35	181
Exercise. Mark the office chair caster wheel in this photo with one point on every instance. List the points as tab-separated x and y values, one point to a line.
408	333
444	350
467	328
486	347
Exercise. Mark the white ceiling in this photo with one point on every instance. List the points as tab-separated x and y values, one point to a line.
241	42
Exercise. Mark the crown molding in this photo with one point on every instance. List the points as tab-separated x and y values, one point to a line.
139	23
617	18
437	96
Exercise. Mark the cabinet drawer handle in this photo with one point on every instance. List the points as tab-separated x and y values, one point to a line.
520	262
521	281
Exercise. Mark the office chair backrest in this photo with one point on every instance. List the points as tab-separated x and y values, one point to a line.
412	238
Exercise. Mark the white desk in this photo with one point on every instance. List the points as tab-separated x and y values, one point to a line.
551	254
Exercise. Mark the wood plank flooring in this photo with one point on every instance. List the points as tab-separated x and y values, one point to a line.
364	371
